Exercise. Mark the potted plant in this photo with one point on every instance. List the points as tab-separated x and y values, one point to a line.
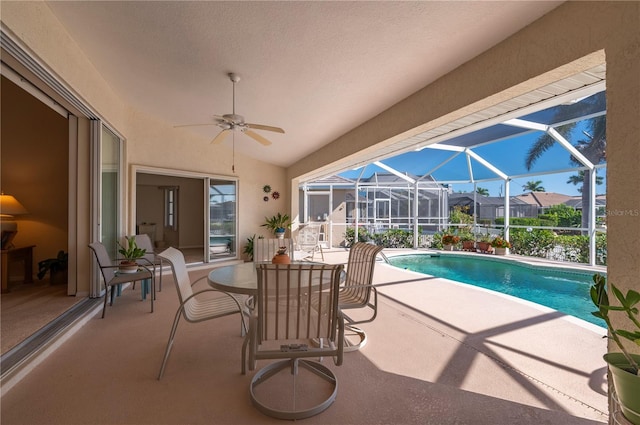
484	244
281	256
448	241
501	246
248	248
624	366
468	241
130	254
57	268
278	224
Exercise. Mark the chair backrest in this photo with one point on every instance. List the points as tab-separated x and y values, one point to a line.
264	249
144	242
308	237
180	276
297	301
362	261
102	256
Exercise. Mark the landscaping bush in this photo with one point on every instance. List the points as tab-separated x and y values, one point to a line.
350	235
394	238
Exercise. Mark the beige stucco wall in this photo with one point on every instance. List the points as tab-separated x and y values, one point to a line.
572	38
148	141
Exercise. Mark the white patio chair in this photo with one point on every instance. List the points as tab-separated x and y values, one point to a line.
308	243
282	326
265	249
150	257
193	306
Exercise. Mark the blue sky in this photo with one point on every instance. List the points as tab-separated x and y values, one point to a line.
507	155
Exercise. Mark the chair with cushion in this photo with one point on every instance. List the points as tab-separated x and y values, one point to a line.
357	289
308	243
195	306
282	327
150	257
112	278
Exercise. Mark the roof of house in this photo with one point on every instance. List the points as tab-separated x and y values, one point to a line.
543	199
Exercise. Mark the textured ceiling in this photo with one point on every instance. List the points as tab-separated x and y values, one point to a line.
316	69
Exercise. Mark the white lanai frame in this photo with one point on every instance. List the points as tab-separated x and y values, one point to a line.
448	138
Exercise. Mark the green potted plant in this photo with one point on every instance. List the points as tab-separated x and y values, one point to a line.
248	248
57	268
468	241
484	244
130	253
448	241
623	365
278	224
500	245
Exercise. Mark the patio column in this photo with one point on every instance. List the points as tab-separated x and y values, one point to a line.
592	217
415	215
507	208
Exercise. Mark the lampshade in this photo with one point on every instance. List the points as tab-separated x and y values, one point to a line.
9	206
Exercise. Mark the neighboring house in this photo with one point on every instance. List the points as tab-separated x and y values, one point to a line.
544	200
488	208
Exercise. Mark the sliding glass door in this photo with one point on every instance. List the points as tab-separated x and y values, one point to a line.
222	234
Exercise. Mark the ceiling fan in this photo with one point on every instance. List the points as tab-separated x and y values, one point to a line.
232	122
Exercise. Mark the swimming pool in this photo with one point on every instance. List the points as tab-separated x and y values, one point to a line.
563	290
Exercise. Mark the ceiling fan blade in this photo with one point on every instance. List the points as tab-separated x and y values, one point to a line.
257	137
265	127
220	137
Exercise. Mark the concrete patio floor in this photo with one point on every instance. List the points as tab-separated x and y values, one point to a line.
439	352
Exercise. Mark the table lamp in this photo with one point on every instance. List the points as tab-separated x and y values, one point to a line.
9	207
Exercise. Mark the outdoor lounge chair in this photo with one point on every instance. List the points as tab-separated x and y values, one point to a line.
111	278
193	306
282	326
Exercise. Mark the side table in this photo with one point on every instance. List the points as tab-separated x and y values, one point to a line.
14	255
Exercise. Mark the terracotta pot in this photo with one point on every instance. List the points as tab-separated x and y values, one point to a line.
281	259
468	245
128	266
484	246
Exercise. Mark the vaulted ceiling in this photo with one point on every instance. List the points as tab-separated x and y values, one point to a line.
315	69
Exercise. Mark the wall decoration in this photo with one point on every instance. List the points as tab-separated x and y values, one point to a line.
266	188
265	199
275	195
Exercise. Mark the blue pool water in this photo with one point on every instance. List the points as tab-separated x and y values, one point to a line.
562	290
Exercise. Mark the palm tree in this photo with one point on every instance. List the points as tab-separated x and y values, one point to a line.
578	179
482	191
593	147
533	186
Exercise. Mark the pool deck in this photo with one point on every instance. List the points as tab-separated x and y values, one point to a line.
486	342
439	352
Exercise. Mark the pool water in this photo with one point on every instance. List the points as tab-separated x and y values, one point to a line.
562	290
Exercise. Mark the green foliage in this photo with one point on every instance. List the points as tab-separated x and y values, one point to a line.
527	221
248	248
565	216
131	252
350	235
394	238
276	222
536	243
460	215
628	305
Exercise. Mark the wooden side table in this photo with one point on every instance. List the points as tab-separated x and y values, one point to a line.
14	255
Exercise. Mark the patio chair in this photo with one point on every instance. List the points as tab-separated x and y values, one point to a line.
356	291
265	249
150	257
282	326
308	243
195	306
112	278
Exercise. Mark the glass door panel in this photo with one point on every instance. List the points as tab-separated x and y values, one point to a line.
222	219
110	190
